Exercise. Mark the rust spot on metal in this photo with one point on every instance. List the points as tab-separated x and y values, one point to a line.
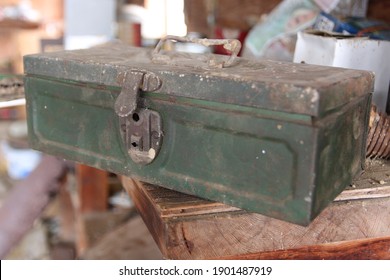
120	78
100	86
172	99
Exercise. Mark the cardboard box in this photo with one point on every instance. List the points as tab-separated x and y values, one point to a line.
362	27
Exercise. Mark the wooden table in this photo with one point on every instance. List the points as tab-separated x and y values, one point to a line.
355	226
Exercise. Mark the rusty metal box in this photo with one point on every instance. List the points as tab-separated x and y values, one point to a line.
276	138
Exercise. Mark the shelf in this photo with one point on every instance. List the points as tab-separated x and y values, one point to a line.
18	24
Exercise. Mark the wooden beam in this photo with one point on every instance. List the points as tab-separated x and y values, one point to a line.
367	249
92	188
187	227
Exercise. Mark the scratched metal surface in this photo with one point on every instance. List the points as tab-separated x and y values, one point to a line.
280	86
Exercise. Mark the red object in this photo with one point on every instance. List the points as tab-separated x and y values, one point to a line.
137	37
225	33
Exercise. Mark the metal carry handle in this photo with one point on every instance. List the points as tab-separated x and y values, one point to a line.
232	45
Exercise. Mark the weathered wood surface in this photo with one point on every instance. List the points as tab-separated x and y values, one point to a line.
356	225
93	188
371	249
233	14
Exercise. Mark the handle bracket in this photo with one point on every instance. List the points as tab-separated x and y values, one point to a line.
232	45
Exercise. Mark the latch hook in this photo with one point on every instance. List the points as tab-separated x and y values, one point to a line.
133	82
141	129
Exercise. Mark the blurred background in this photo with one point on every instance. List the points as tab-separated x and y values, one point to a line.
84	222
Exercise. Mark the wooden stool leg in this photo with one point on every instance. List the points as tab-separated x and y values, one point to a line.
93	197
92	188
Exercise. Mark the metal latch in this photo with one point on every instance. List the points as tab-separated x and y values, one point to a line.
141	129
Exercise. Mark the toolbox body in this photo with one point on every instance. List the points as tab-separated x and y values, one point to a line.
276	138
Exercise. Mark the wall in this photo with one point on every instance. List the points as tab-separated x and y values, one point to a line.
16	41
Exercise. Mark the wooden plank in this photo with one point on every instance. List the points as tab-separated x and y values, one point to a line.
233	14
92	198
187	227
368	249
18	24
66	215
368	193
379	9
93	189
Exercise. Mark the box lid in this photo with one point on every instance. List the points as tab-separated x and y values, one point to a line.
281	86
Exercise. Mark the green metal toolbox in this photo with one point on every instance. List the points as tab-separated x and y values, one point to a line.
275	138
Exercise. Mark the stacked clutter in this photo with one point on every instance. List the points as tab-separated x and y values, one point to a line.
17	160
326	32
275	36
